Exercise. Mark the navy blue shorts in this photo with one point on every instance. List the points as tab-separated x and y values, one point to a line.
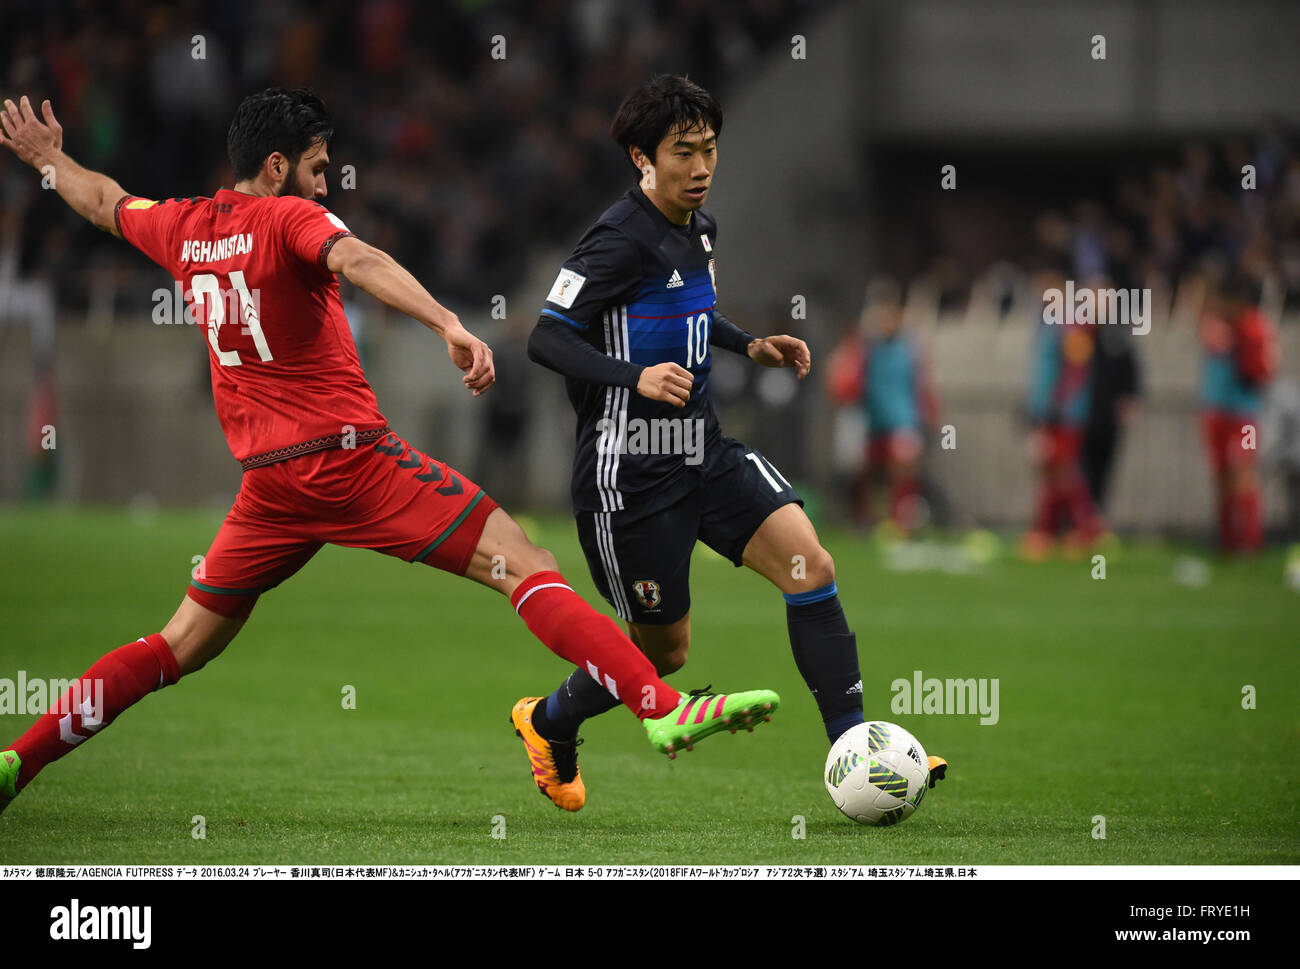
641	562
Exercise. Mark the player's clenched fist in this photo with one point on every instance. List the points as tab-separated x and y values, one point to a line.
668	382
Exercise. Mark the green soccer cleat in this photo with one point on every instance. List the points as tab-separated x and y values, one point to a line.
702	713
10	765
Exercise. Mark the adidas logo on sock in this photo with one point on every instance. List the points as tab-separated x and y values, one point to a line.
675	280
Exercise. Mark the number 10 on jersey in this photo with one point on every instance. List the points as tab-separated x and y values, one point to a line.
697	339
210	310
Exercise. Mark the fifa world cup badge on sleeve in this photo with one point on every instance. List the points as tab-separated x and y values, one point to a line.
566	288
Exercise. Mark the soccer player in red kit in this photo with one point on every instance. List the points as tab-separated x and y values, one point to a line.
321	465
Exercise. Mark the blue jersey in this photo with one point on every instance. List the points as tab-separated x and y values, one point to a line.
641	289
1060	383
892	385
1237	363
1223	388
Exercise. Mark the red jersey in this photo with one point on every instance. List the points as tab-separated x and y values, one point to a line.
286	372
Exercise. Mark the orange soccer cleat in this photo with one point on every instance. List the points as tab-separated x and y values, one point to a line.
938	769
554	762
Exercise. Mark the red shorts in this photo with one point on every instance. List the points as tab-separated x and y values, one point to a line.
1225	440
386	496
1058	445
893	447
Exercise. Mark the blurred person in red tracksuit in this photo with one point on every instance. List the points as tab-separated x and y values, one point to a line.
1060	395
887	372
1238	360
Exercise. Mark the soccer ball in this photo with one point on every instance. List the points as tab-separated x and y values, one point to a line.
877	773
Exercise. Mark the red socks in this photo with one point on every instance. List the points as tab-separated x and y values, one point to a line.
904	498
574	631
1070	497
1241	526
116	681
552	610
1083	512
1047	519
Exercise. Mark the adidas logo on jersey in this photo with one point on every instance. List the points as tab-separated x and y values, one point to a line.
675	280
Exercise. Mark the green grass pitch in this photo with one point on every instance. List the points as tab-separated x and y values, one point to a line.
1119	697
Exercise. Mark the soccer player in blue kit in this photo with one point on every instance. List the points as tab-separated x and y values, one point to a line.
631	323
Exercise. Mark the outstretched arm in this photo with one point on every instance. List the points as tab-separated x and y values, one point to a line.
384	278
40	144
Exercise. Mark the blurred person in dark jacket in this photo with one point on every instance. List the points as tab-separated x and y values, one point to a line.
1116	394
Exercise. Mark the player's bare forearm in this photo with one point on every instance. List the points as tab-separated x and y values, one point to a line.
380	275
39	143
91	195
384	278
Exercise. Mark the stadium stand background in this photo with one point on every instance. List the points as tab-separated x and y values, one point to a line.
479	174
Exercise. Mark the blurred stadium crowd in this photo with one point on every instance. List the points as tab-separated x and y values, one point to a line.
457	158
1221	205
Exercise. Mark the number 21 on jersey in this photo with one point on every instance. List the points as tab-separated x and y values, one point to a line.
210	310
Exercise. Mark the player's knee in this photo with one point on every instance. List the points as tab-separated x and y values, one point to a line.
194	647
665	646
672	660
520	556
821	569
197	635
505	557
537	559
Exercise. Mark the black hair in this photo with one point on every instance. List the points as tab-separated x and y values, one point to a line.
669	102
277	119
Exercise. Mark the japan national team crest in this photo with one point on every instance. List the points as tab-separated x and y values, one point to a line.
713	278
647	593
